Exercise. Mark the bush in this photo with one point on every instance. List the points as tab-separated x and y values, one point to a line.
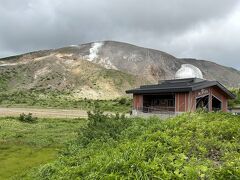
102	126
125	101
122	101
235	102
190	146
28	118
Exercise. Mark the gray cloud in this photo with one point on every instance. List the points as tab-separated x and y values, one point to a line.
186	28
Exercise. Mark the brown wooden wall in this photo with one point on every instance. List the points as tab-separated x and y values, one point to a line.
218	94
137	101
197	94
191	96
182	102
186	102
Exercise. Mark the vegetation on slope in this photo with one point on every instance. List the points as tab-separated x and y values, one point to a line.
61	100
235	102
190	146
27	145
79	77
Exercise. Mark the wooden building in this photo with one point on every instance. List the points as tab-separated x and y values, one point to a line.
181	95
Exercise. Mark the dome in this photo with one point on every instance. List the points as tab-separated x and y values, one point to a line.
188	71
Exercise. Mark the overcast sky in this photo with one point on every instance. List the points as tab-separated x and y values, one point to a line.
203	29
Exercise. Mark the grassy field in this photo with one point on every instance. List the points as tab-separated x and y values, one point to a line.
27	145
61	100
190	146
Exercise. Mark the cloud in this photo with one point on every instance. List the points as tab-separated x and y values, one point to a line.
201	29
217	40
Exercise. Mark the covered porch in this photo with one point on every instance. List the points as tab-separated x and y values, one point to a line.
155	103
209	103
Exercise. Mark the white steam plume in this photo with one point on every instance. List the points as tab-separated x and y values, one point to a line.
93	51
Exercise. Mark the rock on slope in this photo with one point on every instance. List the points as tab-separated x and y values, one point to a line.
101	69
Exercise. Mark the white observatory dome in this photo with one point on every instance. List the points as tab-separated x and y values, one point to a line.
188	71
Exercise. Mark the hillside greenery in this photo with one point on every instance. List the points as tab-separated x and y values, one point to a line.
56	76
235	102
191	146
25	145
61	100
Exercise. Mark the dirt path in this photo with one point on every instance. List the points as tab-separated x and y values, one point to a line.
40	112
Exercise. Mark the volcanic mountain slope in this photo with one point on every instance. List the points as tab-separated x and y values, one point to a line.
52	72
151	64
101	69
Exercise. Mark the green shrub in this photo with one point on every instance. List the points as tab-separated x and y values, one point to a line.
27	118
122	101
102	126
236	101
190	146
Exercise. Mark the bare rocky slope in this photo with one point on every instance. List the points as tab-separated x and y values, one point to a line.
100	70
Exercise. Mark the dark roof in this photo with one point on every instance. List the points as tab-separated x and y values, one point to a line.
179	85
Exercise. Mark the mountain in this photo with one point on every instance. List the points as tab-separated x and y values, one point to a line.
52	72
100	70
152	64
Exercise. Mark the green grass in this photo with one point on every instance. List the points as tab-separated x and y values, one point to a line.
27	145
61	100
16	159
118	78
190	146
3	83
